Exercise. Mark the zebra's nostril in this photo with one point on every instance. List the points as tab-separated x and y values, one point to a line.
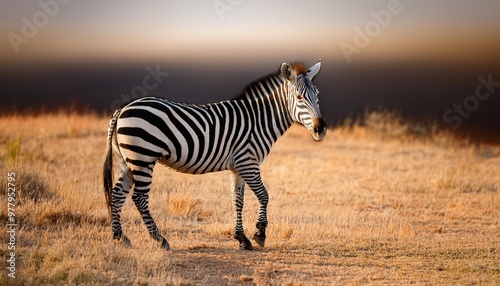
319	125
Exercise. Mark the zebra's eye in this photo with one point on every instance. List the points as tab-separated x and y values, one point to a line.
299	97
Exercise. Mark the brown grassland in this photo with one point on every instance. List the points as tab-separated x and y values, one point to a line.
377	203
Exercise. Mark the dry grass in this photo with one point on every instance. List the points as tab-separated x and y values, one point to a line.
372	204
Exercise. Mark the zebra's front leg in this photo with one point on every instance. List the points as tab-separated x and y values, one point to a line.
260	191
251	175
260	235
238	194
141	201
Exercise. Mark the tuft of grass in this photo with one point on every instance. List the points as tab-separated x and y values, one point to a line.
65	217
13	150
391	125
30	185
386	124
284	230
187	207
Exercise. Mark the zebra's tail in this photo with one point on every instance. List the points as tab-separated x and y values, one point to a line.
107	171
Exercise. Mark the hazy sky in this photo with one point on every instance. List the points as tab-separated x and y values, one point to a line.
244	30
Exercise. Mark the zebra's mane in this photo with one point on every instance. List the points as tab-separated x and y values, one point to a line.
298	68
248	88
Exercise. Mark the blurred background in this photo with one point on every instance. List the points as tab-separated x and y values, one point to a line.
426	59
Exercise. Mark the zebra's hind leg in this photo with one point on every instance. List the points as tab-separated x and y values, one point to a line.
238	192
118	196
142	178
141	200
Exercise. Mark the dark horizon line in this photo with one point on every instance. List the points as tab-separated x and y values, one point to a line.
470	132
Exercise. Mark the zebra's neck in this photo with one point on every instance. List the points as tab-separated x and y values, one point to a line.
268	102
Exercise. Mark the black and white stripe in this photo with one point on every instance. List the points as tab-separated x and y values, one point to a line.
234	135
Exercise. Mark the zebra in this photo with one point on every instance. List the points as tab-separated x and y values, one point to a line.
234	135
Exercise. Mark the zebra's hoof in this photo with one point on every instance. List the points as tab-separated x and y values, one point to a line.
126	241
165	245
119	236
245	244
260	239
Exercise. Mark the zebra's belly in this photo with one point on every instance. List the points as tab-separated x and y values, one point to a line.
198	167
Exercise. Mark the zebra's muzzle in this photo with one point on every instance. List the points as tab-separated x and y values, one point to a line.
318	131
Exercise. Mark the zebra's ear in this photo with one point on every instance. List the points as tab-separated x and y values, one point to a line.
314	70
287	72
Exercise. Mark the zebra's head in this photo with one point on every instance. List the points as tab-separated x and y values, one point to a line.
303	101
